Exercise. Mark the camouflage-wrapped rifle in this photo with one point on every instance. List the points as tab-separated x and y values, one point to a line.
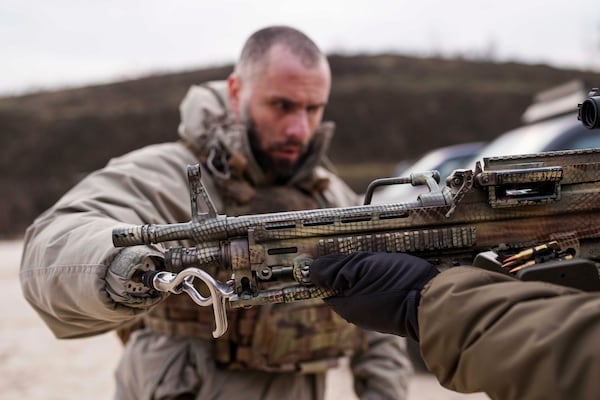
534	216
511	213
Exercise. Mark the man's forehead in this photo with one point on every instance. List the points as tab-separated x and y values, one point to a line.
286	77
297	100
296	93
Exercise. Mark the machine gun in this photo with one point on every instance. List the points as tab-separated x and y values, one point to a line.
534	216
513	214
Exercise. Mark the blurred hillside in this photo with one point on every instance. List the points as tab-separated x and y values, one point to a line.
387	109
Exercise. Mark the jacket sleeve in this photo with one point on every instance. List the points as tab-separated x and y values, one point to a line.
68	249
483	331
382	371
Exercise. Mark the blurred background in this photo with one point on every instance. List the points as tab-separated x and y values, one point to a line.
81	82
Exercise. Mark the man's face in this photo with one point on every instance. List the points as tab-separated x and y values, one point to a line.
282	106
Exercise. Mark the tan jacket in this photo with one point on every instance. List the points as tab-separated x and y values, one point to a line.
513	340
68	251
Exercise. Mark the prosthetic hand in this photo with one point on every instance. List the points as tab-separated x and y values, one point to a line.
380	291
124	277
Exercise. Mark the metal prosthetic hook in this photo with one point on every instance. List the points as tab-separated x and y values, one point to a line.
183	282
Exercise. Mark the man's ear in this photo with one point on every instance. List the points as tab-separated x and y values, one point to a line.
234	93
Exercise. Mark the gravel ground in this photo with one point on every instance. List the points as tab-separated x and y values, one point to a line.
35	365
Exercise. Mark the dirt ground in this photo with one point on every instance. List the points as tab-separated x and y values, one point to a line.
34	365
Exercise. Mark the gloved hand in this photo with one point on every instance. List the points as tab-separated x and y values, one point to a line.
380	291
123	277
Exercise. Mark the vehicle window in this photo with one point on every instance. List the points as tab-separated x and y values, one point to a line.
584	142
528	139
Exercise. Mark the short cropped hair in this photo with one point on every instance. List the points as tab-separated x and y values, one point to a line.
256	48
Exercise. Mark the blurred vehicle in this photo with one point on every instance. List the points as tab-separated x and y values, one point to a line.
550	123
444	160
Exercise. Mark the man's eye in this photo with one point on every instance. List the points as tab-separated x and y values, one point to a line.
312	109
284	105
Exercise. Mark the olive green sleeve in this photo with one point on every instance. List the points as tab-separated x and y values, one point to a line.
483	331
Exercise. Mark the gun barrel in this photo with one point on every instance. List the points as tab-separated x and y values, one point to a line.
179	258
147	234
274	225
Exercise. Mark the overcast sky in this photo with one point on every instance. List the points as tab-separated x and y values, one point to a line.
61	43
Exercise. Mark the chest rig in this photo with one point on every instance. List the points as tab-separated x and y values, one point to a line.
303	336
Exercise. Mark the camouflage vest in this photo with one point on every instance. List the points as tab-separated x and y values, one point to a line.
302	336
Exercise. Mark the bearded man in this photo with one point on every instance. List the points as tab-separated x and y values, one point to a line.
261	144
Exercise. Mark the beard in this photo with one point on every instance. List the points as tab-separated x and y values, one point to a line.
277	170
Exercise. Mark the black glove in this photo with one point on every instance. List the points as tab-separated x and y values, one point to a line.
380	291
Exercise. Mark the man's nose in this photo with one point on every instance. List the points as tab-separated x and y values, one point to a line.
299	125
